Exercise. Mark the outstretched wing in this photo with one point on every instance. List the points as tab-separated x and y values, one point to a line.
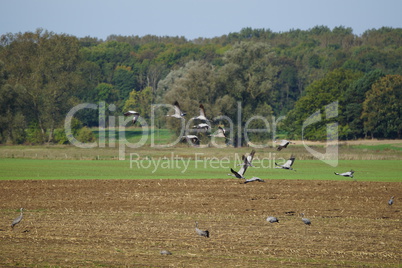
177	109
202	110
244	167
222	130
237	174
135	118
289	163
131	113
250	157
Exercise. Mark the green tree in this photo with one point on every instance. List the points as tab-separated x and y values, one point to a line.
43	65
11	118
353	103
124	80
140	101
319	94
382	110
249	77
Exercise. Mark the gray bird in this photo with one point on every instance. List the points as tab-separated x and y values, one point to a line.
202	115
391	201
287	165
202	127
220	133
305	220
246	163
201	232
165	252
272	219
17	220
253	179
247	160
134	114
283	144
346	174
177	111
190	139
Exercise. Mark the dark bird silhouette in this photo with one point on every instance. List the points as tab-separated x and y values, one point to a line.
201	232
177	111
17	220
272	219
287	165
134	114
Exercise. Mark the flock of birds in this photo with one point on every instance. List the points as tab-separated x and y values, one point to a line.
202	126
247	162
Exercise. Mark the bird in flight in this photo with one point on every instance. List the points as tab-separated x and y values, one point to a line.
288	164
177	111
346	174
248	159
134	114
202	115
253	179
283	144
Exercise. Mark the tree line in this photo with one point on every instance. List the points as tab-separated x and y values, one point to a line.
291	74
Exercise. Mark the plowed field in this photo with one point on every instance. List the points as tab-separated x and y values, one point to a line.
125	223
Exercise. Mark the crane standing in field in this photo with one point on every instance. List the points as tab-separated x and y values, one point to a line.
201	232
272	219
17	220
391	201
306	221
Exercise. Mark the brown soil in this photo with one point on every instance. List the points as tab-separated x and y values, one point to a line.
125	223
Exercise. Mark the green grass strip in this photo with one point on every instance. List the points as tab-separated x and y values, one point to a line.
184	168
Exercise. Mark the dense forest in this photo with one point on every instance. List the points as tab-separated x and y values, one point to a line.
289	75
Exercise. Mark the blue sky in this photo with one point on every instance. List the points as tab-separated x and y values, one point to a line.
193	18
